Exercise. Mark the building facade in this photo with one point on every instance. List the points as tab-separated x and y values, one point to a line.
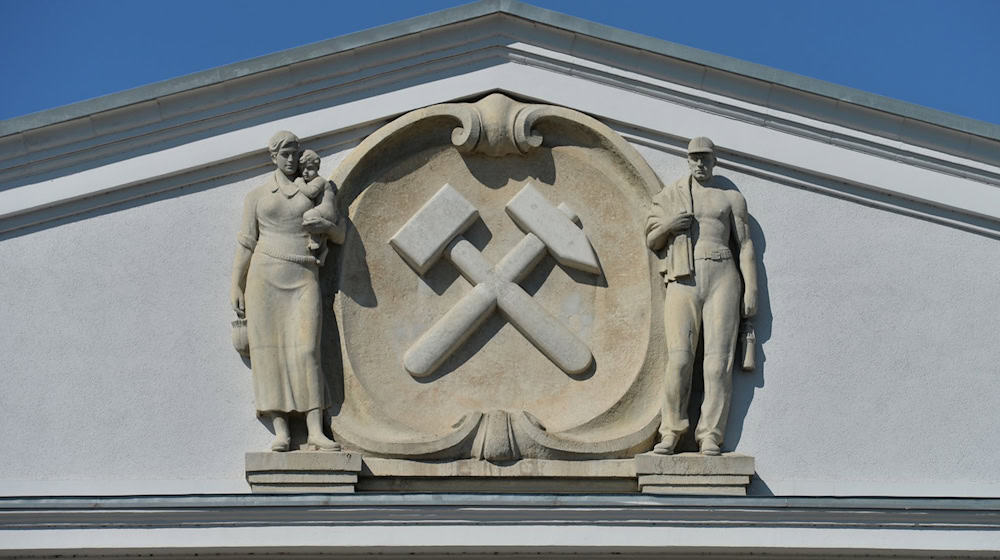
869	415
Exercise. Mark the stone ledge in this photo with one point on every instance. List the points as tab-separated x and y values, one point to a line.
302	472
344	472
692	479
693	473
694	464
533	476
284	488
305	477
706	490
544	468
303	460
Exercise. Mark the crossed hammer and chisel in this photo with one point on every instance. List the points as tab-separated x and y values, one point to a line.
436	230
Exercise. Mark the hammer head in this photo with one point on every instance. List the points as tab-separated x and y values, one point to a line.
425	235
555	226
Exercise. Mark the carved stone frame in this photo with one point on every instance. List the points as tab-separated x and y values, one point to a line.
505	131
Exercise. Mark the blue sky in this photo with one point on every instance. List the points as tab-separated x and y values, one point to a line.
937	53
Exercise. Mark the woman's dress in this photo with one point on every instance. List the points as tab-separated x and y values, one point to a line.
282	299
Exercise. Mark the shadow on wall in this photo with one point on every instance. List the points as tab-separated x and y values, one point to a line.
331	360
352	258
496	172
745	383
443	274
758	487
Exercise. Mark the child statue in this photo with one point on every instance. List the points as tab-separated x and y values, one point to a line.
313	185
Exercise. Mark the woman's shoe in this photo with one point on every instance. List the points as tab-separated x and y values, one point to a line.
322	444
280	444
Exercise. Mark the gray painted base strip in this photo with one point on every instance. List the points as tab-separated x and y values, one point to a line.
505	509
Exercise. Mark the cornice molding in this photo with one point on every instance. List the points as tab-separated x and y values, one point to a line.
485	8
496	509
430	523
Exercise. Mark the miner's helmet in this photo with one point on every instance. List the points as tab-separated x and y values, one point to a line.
701	145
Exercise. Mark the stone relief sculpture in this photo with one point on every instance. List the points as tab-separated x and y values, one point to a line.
285	227
499	312
437	228
693	222
490	306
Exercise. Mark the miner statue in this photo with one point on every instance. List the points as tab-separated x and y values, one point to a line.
696	224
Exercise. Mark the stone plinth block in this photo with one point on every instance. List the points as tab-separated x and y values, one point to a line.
693	473
531	476
302	471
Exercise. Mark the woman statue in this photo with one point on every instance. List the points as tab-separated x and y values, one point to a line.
276	288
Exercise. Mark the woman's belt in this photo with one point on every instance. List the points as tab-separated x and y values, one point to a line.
274	253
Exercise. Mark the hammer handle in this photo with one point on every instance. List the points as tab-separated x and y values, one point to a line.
548	334
449	332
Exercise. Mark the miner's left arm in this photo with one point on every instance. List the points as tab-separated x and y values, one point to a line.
748	264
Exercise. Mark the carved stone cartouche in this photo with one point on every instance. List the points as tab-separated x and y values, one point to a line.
496	300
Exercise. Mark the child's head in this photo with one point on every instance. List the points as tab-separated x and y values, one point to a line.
309	164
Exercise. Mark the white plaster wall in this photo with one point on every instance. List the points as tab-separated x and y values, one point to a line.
878	333
877	330
119	375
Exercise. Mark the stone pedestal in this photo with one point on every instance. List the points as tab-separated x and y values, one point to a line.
343	472
527	476
302	471
693	473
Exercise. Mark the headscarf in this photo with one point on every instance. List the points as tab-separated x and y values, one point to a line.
281	139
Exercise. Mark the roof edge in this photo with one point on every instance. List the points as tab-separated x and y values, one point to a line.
514	8
251	66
